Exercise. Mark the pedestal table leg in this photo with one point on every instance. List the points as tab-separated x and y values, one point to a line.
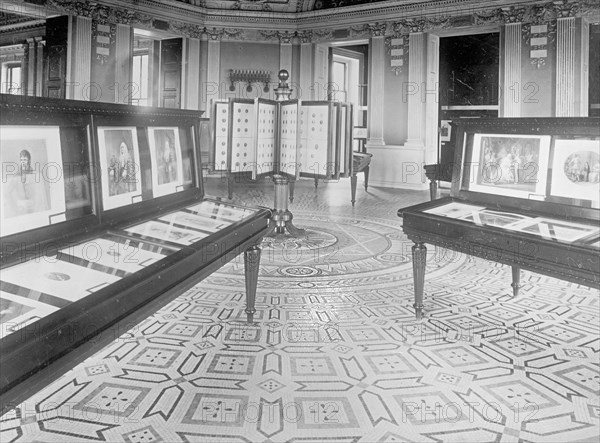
419	256
251	264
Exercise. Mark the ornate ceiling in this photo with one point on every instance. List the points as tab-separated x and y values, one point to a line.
309	20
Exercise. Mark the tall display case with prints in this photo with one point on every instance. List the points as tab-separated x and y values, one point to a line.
103	221
258	138
525	192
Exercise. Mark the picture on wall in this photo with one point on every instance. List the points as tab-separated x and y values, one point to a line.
166	158
32	183
120	166
576	170
510	165
445	130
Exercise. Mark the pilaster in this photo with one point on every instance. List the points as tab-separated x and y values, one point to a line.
285	50
376	84
79	62
212	86
123	51
510	85
415	90
572	70
191	74
306	68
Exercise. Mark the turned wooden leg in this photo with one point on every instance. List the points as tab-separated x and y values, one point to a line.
251	262
433	189
516	280
419	256
316	182
292	183
353	180
366	177
229	185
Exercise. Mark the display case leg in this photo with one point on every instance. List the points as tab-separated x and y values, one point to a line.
516	280
419	256
366	177
316	182
251	265
292	186
353	180
432	189
229	185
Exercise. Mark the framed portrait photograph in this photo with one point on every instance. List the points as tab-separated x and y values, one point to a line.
32	183
510	165
445	130
576	170
166	158
120	166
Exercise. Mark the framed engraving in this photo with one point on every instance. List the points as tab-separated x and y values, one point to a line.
120	166
166	158
511	165
32	183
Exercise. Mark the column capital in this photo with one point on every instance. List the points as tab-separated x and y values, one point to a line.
305	36
377	29
512	14
214	34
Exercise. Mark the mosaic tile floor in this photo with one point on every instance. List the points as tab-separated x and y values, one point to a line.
335	354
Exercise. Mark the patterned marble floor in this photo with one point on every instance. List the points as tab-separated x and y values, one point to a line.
335	354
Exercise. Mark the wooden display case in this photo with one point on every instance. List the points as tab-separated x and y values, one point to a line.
104	220
525	192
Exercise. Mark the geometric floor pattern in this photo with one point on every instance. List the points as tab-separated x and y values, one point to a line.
335	354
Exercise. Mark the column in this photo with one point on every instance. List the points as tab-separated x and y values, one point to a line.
306	69
191	74
572	70
123	55
213	69
39	67
32	56
510	59
79	62
377	68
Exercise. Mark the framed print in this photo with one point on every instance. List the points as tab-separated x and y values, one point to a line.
195	221
17	312
61	279
166	158
510	165
32	183
127	257
557	229
120	166
445	130
576	170
165	232
488	217
455	210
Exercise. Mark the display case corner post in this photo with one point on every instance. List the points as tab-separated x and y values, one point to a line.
419	256
251	266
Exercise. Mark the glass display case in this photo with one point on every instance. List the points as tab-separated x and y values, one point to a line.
103	218
525	192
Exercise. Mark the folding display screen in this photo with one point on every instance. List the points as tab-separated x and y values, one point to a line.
292	138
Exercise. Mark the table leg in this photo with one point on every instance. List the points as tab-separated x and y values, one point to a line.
251	264
229	185
366	177
353	180
419	256
516	280
316	182
292	183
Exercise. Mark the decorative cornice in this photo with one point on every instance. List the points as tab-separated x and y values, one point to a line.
190	17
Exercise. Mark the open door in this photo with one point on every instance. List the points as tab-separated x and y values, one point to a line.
171	51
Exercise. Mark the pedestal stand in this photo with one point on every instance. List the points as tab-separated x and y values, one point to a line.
282	217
